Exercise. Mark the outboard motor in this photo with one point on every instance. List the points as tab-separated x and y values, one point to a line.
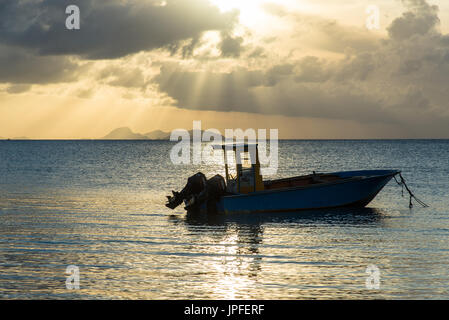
215	188
197	191
195	184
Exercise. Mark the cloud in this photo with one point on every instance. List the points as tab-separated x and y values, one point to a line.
18	88
311	69
272	92
128	77
216	91
109	29
322	33
36	47
21	66
399	79
421	19
344	72
230	46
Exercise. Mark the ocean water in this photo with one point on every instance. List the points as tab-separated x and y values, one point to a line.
99	205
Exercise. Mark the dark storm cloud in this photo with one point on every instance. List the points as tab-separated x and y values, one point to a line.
109	29
21	66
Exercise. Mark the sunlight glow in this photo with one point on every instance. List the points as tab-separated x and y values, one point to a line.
251	11
254	15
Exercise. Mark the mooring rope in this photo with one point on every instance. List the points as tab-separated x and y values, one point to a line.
412	196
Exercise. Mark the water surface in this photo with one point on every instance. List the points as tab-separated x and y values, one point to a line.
99	205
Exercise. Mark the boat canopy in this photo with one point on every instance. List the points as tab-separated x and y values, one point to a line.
247	179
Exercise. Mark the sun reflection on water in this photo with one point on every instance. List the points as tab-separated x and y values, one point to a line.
234	267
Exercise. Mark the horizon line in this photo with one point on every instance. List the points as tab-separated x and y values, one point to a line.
168	140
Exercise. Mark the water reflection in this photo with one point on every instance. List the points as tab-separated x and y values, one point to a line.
344	216
243	250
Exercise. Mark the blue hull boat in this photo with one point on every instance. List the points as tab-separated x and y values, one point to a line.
345	189
248	192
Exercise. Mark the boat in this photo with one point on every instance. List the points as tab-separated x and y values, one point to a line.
248	192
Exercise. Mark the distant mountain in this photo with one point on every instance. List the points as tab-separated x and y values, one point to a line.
166	135
124	133
157	135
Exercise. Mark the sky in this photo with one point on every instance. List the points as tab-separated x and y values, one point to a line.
313	69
